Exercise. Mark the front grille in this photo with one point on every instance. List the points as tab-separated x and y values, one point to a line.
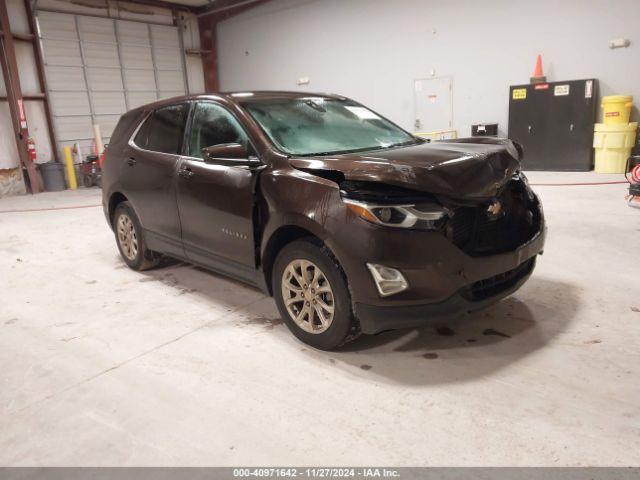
474	231
489	287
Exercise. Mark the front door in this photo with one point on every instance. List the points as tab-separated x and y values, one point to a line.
216	201
148	176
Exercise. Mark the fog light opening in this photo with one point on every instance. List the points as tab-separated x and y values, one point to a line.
389	281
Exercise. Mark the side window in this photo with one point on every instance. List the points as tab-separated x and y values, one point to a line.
163	129
213	125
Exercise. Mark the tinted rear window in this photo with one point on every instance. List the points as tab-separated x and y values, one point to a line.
163	129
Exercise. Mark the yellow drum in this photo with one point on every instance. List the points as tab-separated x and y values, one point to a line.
616	108
613	143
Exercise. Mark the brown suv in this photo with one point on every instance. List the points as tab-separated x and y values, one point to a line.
351	223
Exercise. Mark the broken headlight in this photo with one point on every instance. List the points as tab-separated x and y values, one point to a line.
423	216
519	175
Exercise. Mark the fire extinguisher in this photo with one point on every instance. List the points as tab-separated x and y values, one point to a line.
31	148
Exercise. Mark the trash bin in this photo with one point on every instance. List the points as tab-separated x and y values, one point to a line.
616	108
52	176
613	144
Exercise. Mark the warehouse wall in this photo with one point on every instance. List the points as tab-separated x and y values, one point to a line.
373	50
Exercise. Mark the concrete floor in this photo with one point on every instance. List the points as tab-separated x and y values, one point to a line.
100	365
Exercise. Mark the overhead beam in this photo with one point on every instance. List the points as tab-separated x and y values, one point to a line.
222	6
167	5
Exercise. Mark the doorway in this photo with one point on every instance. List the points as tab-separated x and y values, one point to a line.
433	104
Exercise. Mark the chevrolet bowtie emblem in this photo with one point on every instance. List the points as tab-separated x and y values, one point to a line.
494	209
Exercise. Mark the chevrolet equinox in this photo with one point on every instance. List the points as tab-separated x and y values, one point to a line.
351	223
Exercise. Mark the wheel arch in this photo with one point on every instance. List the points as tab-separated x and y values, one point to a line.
115	199
281	237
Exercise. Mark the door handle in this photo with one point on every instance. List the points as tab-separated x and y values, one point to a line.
186	173
132	161
530	129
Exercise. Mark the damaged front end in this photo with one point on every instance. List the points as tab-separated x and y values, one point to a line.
470	190
478	227
435	230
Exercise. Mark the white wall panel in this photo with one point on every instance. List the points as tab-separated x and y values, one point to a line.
145	13
137	99
61	52
96	29
89	8
18	17
134	56
107	124
170	93
57	26
108	103
140	80
101	79
69	103
70	129
27	69
100	54
133	33
170	80
167	58
65	78
162	36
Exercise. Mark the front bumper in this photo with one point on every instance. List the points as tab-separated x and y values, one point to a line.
482	293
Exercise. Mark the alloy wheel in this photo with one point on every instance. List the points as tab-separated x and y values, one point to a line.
127	237
308	296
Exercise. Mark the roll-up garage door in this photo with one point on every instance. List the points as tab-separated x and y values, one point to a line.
98	68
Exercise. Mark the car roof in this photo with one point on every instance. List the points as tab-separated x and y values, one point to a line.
238	96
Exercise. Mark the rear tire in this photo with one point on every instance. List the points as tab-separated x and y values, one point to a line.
130	239
312	296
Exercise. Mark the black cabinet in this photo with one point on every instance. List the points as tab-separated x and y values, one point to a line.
554	123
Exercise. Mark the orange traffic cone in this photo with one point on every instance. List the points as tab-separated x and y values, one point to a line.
538	76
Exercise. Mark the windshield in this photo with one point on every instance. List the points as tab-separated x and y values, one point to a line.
322	126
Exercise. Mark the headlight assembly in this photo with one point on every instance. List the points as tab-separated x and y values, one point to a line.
425	216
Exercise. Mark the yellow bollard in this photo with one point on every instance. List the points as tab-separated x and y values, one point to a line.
71	172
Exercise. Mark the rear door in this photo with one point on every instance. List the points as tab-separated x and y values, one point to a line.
215	200
149	173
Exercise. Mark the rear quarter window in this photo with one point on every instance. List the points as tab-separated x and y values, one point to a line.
125	127
163	129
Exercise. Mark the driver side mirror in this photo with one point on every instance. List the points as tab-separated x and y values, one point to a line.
229	154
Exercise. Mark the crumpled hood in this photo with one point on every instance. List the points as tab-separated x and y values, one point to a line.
463	168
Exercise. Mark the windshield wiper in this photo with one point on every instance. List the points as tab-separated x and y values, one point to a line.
357	150
401	144
339	152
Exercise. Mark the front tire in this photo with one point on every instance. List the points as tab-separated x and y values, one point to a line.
312	296
130	239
